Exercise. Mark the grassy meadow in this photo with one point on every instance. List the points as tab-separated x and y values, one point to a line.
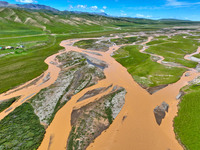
28	63
145	71
127	40
174	49
85	44
5	104
187	122
21	129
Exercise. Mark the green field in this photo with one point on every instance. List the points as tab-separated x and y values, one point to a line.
29	63
16	33
175	49
21	129
42	39
26	41
127	40
21	67
156	42
7	103
187	122
145	71
197	55
41	32
85	44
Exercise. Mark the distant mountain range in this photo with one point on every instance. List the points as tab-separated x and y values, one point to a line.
28	6
43	7
171	19
51	20
6	4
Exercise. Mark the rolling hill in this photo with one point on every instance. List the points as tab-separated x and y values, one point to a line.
51	20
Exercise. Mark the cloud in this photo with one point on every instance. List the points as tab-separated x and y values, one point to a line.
81	6
146	8
123	13
87	8
94	7
26	1
104	7
177	3
71	7
142	16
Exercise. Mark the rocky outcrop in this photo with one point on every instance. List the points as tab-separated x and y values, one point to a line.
159	112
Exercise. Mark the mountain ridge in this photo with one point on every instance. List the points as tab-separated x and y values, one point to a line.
28	6
32	6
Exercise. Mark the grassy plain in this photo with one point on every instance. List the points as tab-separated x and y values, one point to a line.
145	71
21	129
127	40
175	49
85	44
21	67
26	64
7	103
187	122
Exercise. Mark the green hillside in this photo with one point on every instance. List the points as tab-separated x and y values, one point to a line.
41	31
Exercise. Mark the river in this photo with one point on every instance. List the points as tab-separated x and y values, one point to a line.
138	131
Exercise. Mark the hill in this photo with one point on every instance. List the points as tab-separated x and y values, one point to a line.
51	20
41	31
55	22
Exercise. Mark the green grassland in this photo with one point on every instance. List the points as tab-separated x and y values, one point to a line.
104	45
21	67
23	40
28	63
145	71
7	103
187	122
175	49
155	42
21	129
85	44
29	42
16	33
127	40
197	55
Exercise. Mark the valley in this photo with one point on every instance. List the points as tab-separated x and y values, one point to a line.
81	83
73	80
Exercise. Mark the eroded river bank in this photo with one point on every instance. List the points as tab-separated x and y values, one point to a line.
134	128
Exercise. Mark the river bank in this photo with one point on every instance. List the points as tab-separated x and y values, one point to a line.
134	128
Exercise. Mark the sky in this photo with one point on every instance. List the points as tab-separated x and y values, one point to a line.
151	9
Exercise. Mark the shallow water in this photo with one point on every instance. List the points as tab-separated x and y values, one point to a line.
138	131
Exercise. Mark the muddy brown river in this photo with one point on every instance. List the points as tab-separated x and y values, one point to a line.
139	131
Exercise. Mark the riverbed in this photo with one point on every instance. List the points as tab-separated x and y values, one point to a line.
138	130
